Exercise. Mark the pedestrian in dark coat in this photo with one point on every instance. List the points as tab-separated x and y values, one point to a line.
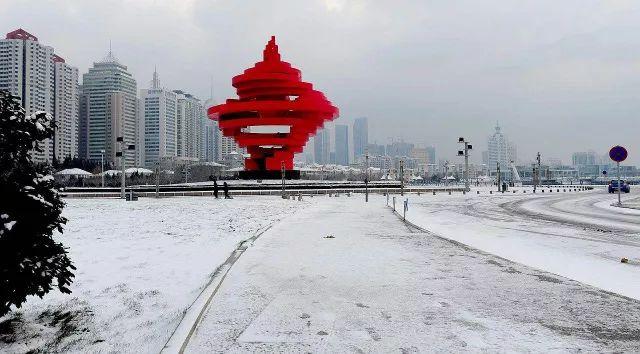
226	191
215	189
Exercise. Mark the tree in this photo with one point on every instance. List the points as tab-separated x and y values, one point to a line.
31	261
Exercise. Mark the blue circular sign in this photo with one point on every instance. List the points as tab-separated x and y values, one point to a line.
618	153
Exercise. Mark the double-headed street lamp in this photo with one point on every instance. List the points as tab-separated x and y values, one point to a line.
121	154
465	153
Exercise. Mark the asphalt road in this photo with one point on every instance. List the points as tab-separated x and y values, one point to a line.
592	210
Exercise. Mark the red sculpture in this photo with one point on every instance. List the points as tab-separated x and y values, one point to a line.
272	94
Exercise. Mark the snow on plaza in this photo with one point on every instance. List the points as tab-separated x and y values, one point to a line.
512	272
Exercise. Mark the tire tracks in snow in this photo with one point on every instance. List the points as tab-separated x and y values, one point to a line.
601	233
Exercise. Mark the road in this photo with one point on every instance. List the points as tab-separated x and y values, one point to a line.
589	210
576	235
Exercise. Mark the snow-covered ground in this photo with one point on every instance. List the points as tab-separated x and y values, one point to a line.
139	267
576	235
334	274
377	285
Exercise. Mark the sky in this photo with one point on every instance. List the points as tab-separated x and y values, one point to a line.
558	76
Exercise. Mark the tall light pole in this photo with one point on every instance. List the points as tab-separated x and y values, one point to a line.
282	171
121	154
122	175
498	174
157	179
538	160
402	177
102	166
366	178
465	153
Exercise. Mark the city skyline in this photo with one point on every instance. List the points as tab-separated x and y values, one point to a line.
537	74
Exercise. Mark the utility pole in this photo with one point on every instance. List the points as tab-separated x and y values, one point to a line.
102	166
446	173
121	154
538	159
157	179
366	178
282	171
498	174
465	153
402	177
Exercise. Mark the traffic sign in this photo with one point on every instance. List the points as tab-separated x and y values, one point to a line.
604	173
618	153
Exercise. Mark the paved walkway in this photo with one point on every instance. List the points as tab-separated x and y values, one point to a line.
343	276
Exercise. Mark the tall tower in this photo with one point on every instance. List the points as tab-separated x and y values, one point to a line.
500	152
109	91
360	137
44	82
190	131
342	144
158	123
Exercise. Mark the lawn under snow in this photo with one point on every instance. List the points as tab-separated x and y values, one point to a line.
139	266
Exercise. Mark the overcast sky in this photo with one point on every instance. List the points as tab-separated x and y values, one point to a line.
559	75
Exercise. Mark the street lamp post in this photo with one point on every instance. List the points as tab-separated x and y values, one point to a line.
402	177
102	166
157	179
282	171
465	153
121	154
446	173
498	174
538	169
366	178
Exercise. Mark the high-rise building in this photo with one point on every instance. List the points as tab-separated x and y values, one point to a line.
584	158
360	137
158	123
212	142
65	110
500	152
191	118
44	82
431	155
228	146
109	93
321	147
342	144
83	124
399	149
376	150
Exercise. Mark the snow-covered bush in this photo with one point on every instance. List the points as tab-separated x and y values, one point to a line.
31	262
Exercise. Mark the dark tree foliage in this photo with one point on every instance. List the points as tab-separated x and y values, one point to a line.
31	262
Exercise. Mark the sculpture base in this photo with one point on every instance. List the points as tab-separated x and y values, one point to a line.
266	174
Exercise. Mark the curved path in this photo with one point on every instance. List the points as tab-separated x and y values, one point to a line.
576	235
592	209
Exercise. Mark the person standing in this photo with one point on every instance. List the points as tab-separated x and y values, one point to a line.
226	191
215	188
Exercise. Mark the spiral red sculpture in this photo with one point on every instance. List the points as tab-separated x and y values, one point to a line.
272	95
